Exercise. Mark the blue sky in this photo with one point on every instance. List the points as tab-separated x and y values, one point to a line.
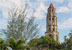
63	10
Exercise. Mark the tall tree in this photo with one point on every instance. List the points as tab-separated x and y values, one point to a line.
20	27
67	44
44	42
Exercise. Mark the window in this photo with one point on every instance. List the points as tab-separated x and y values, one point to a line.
50	36
53	29
49	19
53	19
49	29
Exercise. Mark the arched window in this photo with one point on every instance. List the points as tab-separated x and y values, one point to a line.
50	35
49	21
53	29
53	21
49	29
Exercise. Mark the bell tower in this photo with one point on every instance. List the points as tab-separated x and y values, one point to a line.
51	23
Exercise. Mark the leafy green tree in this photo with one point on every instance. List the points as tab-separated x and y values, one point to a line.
20	27
13	44
49	43
67	44
44	42
3	45
16	44
70	35
34	43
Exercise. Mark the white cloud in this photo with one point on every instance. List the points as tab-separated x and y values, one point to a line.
4	13
70	5
39	14
67	24
40	11
41	0
63	9
59	1
9	4
6	5
43	7
3	24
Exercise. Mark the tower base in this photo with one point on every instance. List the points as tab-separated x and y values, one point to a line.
54	35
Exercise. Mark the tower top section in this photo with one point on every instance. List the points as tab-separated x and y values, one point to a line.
51	23
51	6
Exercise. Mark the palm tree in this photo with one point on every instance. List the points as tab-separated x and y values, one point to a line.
16	45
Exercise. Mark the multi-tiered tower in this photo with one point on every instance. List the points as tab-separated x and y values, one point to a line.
51	23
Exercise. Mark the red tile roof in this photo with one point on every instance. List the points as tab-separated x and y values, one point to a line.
51	6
